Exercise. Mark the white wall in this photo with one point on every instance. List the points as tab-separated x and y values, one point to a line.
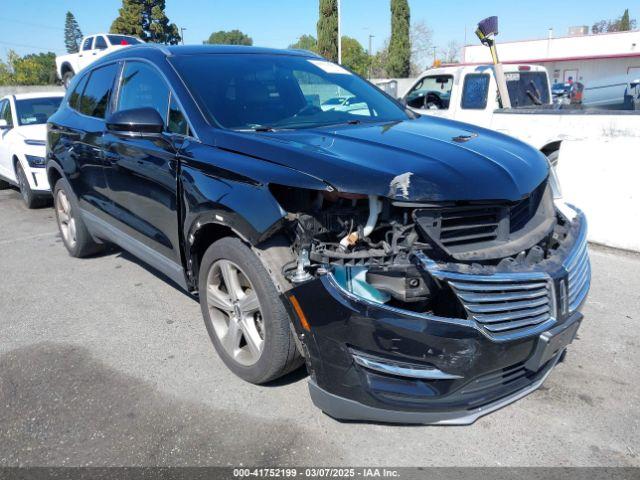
622	43
602	178
12	89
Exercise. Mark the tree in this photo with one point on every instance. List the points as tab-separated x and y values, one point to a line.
72	34
305	42
328	30
622	24
450	53
146	20
379	62
354	56
400	44
232	37
421	47
32	69
625	21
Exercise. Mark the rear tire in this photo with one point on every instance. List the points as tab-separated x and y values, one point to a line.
31	200
75	235
244	314
66	78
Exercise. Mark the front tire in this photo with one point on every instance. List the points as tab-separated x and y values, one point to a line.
75	235
28	196
244	314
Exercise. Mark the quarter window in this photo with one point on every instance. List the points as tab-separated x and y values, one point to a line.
95	99
177	122
86	45
141	87
475	91
74	98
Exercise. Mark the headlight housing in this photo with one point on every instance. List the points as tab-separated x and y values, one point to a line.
35	162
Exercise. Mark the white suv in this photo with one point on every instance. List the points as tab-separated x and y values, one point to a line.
23	134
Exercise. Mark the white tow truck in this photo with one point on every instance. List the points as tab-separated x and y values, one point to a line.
91	48
469	93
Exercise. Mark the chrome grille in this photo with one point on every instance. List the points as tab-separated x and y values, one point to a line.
503	304
579	270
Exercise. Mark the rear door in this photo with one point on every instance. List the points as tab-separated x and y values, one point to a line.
142	172
83	133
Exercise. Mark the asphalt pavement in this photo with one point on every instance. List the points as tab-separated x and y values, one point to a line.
103	363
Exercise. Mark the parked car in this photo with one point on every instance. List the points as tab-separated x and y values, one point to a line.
92	48
23	134
427	271
472	97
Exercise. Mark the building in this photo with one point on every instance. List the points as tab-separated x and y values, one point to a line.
605	63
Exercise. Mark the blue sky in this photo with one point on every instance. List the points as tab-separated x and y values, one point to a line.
37	25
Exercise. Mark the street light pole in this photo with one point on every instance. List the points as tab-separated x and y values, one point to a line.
370	54
339	35
182	29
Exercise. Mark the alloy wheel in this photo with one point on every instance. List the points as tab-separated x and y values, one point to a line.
235	312
65	219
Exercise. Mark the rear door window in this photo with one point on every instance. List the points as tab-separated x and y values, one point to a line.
101	44
475	91
96	95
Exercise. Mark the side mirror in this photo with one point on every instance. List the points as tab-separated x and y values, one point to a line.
635	83
3	124
136	122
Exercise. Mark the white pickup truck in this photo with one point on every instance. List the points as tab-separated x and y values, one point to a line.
91	48
470	94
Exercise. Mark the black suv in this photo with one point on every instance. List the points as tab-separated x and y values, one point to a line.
426	271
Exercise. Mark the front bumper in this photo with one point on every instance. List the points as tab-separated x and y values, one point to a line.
371	362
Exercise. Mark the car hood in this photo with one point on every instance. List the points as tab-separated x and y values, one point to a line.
425	159
33	132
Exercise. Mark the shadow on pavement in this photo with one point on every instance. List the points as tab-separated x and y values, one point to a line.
60	406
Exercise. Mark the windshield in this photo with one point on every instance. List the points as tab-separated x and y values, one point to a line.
33	111
527	89
123	40
256	91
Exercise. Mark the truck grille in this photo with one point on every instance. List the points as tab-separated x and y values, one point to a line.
503	305
579	269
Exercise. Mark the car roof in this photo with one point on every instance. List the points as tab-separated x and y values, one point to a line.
179	50
25	96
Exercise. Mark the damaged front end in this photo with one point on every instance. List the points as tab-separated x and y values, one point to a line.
431	309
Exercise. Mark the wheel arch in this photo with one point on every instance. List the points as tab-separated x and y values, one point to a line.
66	67
551	147
53	174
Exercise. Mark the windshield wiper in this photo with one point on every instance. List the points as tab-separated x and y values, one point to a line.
263	128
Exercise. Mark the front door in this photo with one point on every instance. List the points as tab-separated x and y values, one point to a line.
142	172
